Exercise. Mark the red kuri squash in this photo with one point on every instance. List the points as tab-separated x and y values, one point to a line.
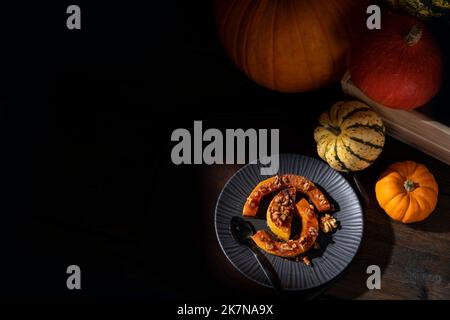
399	66
290	45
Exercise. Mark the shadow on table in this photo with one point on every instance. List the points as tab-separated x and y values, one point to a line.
438	220
375	249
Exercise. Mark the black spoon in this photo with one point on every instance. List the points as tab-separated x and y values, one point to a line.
242	231
362	191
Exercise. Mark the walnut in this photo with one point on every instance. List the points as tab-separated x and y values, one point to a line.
289	246
278	181
312	231
306	186
307	261
328	223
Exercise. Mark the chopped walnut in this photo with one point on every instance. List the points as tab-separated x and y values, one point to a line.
312	232
282	209
289	246
278	181
328	223
307	261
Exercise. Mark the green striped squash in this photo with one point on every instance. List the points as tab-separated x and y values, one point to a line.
350	136
424	9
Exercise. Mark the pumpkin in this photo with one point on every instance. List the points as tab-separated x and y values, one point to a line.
399	66
424	9
407	191
292	248
350	136
280	213
289	45
275	183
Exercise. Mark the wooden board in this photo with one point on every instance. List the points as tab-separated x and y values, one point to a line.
411	127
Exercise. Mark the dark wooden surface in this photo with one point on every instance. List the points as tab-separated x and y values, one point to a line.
414	259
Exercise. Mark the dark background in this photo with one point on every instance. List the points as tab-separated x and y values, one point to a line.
85	121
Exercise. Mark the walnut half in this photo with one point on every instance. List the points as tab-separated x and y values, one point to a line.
328	223
307	261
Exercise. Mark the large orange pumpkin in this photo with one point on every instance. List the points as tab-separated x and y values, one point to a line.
290	45
407	191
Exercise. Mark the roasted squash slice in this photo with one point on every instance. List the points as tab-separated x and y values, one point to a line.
292	248
280	213
278	182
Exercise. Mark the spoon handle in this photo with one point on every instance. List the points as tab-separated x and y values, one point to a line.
361	189
269	271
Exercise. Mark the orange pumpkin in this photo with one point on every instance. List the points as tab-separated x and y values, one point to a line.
290	45
407	191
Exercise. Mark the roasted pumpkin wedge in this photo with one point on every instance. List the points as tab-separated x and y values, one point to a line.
292	248
280	213
278	182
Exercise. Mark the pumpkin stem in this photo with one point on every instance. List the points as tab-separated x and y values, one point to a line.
413	36
409	185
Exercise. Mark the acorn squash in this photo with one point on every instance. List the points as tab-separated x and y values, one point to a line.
350	136
424	9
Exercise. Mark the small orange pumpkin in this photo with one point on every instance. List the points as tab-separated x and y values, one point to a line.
407	191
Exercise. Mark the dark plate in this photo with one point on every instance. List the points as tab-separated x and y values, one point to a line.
338	249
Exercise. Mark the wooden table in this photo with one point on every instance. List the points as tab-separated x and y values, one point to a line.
414	259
